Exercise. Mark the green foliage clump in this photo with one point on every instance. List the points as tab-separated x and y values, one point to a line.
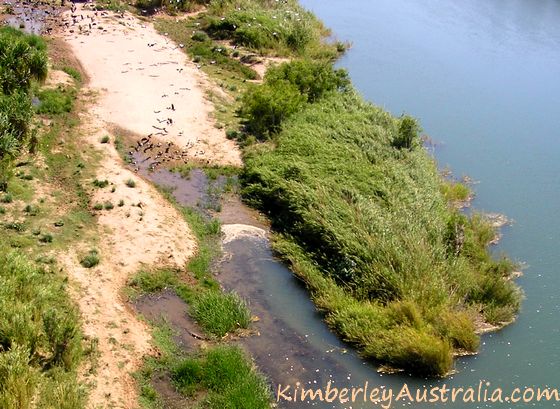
407	136
285	91
227	375
22	59
91	259
284	28
130	183
220	313
101	183
152	282
56	101
74	73
40	338
362	220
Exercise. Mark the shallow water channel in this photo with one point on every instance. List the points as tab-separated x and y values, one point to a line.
292	344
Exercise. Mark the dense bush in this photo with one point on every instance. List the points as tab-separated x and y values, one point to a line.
22	59
266	107
398	271
285	90
312	78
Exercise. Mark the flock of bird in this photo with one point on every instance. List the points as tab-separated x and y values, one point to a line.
149	152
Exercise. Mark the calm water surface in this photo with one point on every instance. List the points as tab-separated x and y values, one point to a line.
483	77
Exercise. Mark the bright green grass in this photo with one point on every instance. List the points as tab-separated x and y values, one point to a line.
398	271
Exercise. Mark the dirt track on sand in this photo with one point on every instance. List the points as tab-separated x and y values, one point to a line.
136	74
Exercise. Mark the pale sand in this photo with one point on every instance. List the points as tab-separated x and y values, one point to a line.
130	238
130	79
141	74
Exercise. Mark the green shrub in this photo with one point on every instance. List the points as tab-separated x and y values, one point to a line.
46	238
455	191
220	313
131	183
31	210
121	203
200	36
7	198
407	136
285	91
108	206
91	259
16	226
229	377
105	139
187	375
101	183
265	107
312	78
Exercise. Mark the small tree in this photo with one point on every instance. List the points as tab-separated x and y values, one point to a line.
407	134
265	107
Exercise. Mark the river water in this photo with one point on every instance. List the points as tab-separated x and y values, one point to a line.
483	77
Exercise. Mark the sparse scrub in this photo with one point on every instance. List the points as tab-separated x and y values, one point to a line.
98	206
108	206
91	259
121	203
105	139
7	198
131	183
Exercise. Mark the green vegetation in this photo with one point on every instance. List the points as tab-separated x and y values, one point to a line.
280	28
171	6
56	101
228	377
91	259
105	139
22	60
286	90
101	183
131	183
40	339
218	376
74	73
361	217
220	313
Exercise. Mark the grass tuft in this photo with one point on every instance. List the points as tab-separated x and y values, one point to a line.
218	313
91	259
